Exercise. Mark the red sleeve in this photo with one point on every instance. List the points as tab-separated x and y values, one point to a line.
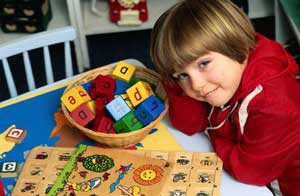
186	114
270	142
1	188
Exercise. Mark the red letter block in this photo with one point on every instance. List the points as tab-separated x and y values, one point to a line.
82	115
106	125
102	86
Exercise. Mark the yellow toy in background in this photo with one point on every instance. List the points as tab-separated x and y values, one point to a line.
75	97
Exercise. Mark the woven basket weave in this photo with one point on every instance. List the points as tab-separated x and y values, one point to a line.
121	139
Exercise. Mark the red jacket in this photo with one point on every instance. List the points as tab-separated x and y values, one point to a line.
1	188
257	134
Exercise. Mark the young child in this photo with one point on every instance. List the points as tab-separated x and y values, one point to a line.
239	86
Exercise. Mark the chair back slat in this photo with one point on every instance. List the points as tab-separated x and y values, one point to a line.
48	65
42	40
9	78
68	59
28	70
37	40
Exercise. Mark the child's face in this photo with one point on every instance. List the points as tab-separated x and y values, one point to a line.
212	78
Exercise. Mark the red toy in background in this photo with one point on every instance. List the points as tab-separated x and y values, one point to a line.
1	188
128	12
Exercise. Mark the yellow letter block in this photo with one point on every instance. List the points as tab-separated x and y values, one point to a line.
75	97
124	71
139	92
92	105
127	100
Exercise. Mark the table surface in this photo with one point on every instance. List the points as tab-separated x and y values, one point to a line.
35	112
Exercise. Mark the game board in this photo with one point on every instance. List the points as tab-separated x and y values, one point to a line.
176	173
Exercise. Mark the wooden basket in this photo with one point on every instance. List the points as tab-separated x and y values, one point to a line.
121	139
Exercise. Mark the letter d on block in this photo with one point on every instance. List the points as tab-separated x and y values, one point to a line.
138	93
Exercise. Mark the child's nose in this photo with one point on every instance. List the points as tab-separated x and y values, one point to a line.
197	83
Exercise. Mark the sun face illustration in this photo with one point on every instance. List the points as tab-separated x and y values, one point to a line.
148	174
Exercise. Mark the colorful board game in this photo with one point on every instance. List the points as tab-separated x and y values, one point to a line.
97	171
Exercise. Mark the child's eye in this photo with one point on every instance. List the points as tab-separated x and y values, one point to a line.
203	64
180	76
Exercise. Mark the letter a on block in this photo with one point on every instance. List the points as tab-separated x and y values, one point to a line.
124	71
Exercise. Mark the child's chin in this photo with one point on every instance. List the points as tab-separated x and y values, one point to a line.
217	103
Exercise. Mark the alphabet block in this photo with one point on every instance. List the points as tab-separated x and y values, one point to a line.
128	123
124	71
127	100
134	80
16	135
101	102
82	115
92	105
106	125
8	169
121	87
96	121
75	97
102	85
139	92
117	108
149	110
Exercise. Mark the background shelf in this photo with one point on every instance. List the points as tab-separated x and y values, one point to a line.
59	19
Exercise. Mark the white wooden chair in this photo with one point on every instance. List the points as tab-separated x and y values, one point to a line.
40	40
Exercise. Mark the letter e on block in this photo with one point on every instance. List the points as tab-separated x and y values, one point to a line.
16	135
124	71
75	97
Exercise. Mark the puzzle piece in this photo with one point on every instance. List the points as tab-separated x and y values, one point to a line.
198	175
16	135
8	169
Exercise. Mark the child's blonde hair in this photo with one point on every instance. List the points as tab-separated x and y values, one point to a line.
192	28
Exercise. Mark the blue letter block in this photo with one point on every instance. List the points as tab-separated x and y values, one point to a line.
149	110
121	87
117	108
